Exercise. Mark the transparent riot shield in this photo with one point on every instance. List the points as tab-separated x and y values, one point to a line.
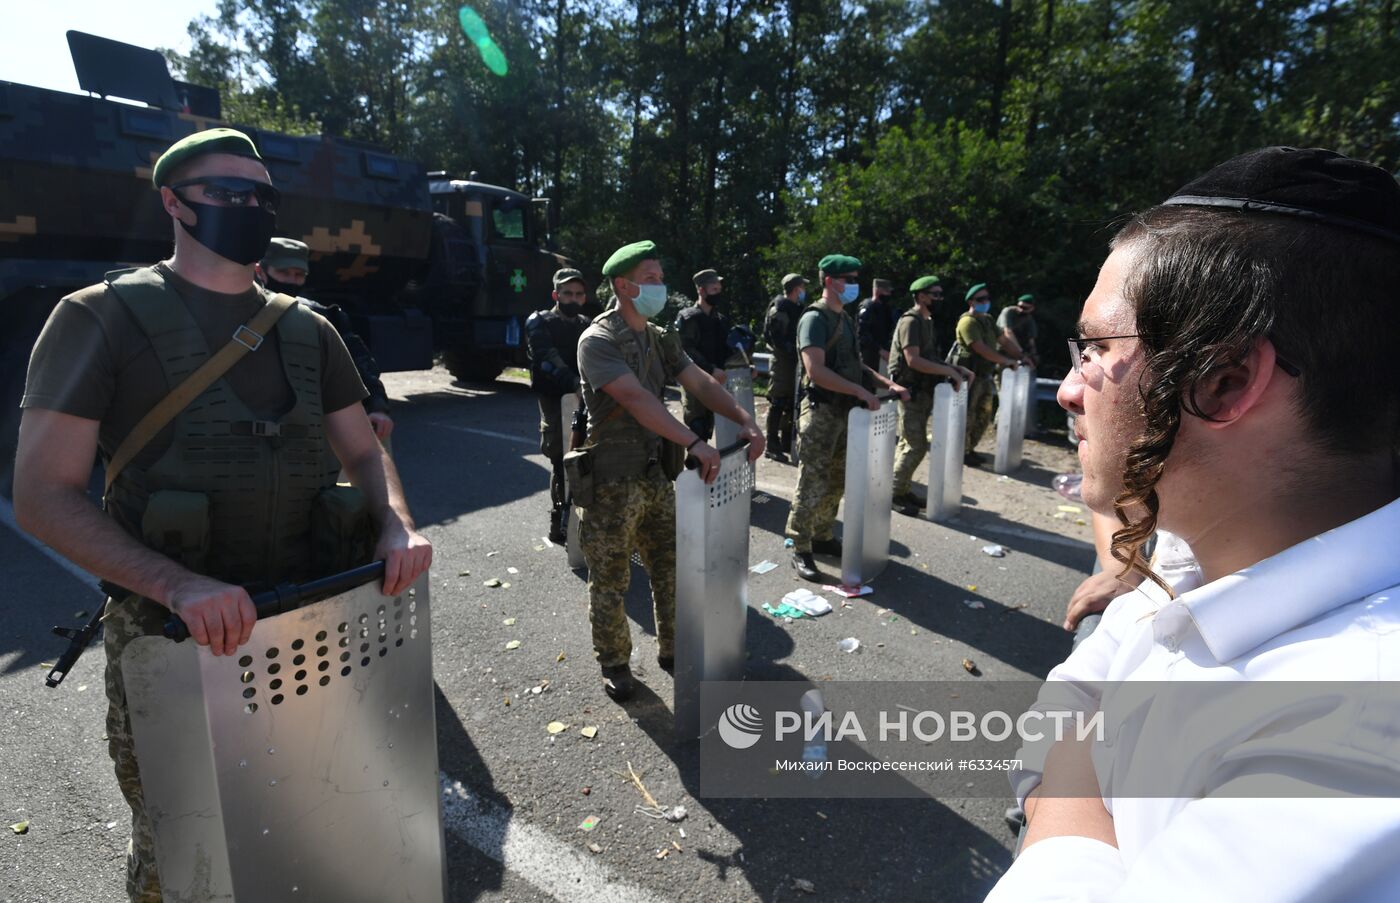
1031	409
304	767
865	525
712	569
567	406
738	381
945	453
1011	429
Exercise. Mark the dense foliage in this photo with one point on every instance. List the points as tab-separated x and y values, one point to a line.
970	139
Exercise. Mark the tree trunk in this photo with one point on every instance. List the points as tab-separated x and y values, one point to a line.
1048	43
712	148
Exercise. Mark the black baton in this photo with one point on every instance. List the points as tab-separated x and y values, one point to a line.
692	462
290	596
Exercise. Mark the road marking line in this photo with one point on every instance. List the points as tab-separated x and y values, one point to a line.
553	866
7	517
494	435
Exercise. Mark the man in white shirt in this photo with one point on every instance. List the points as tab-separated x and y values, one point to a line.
1236	383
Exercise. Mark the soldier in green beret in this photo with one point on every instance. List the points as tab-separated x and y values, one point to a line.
980	349
625	362
833	382
703	328
914	363
247	461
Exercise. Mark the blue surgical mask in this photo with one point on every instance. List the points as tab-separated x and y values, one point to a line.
983	307
848	294
650	299
801	295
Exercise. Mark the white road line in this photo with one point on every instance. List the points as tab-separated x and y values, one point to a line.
1054	539
494	435
7	517
556	868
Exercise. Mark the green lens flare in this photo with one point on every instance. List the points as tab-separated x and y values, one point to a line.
480	35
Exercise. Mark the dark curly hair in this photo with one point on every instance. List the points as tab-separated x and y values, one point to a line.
1207	284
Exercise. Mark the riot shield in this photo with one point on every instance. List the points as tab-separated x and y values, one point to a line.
1011	429
945	453
712	569
1031	409
738	381
865	526
302	768
567	406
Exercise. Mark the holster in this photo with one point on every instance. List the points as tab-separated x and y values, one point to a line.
672	459
578	473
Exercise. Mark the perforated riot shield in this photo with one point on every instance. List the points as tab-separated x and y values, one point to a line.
738	381
865	525
1032	408
945	454
1011	428
302	768
712	570
567	406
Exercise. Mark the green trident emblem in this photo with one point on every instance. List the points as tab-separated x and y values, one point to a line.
518	281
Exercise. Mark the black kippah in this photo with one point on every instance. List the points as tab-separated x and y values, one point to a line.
1310	183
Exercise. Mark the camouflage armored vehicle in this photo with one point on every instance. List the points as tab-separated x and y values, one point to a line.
421	265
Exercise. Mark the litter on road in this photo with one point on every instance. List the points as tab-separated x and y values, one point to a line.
849	644
764	567
994	551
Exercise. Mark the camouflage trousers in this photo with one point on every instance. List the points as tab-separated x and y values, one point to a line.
913	439
636	514
552	447
699	418
821	473
981	409
126	620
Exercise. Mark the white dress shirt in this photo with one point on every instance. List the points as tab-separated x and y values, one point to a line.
1327	609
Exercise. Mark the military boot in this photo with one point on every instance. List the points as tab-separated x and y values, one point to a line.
830	547
559	524
618	682
806	566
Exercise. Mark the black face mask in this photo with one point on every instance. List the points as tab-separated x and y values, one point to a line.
570	309
718	302
277	285
239	234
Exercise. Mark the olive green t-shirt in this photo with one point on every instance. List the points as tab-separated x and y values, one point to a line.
93	361
913	331
973	328
842	357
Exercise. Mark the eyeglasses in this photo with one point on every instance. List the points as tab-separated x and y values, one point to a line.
1079	349
235	191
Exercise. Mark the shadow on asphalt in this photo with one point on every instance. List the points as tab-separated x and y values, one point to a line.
889	848
470	872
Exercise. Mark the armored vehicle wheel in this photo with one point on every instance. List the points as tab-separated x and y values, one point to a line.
474	368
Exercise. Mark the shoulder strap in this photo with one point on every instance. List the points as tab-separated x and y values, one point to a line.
245	338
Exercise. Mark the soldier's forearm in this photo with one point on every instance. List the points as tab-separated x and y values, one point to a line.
66	520
713	396
374	474
828	379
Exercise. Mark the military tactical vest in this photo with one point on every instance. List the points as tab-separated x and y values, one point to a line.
564	333
922	338
987	332
624	448
842	356
260	478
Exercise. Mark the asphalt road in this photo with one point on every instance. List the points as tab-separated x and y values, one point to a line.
515	795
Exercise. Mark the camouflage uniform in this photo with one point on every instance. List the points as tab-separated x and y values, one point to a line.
914	331
631	514
213	455
634	505
982	396
821	471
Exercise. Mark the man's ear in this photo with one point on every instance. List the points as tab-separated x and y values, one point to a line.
1231	392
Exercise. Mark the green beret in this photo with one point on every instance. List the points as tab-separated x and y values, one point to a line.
209	141
705	277
628	256
285	253
922	284
835	264
1027	298
974	290
567	274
